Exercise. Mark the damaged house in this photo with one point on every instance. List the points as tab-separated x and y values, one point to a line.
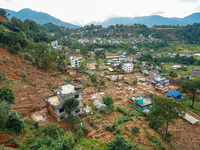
56	101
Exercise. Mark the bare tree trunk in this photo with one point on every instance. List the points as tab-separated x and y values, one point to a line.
166	131
193	98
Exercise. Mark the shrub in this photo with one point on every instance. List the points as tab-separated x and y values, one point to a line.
108	127
102	82
68	80
7	94
53	131
131	136
135	130
108	100
124	119
126	82
28	57
23	75
2	76
119	143
139	147
71	119
109	79
155	141
126	111
15	122
122	110
55	74
135	81
6	59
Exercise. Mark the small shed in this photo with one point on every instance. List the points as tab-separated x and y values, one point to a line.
174	94
99	105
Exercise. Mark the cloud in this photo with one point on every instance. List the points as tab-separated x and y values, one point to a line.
157	12
197	9
193	1
7	0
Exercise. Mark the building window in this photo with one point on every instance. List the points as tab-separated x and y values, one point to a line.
61	110
62	117
77	111
76	96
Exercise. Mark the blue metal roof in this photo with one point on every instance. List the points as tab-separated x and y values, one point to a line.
175	94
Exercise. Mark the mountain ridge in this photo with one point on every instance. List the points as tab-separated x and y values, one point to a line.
38	17
151	20
44	18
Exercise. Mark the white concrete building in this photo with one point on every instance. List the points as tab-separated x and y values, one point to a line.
127	67
56	101
74	61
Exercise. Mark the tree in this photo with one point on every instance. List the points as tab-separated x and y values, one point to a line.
5	109
70	105
47	61
15	122
191	86
40	49
119	143
7	94
2	12
165	112
81	125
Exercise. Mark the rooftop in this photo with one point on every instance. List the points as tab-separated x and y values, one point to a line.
53	100
66	89
146	100
63	92
158	78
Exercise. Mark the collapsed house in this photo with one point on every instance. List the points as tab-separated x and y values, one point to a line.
56	101
142	102
160	83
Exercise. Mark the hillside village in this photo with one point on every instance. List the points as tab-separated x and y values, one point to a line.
97	87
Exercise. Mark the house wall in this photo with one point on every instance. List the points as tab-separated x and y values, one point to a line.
128	68
143	108
64	113
55	111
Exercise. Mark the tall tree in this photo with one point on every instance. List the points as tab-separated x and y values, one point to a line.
2	12
165	112
191	86
40	49
47	61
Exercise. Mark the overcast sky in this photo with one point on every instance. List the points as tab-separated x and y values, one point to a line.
99	10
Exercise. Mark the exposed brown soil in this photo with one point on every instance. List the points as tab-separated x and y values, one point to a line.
3	19
29	102
4	138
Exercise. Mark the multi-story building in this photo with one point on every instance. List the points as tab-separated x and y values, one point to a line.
74	61
127	67
56	101
195	72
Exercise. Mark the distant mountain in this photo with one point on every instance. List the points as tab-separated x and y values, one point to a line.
151	20
38	17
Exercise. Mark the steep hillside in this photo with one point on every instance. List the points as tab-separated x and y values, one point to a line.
31	90
38	17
